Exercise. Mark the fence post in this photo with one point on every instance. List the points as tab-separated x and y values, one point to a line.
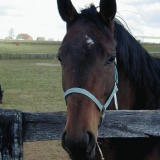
11	140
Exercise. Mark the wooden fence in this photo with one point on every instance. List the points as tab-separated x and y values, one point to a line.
17	127
27	55
155	54
42	55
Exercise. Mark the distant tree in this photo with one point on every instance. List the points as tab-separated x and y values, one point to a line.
11	33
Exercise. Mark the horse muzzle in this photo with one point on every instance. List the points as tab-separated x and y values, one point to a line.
81	147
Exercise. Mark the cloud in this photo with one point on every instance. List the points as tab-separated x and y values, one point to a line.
41	18
3	12
138	2
142	17
151	14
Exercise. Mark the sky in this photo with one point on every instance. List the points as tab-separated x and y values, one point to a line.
40	18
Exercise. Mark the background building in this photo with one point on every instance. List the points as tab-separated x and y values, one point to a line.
145	39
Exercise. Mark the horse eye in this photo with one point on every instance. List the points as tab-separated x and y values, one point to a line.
111	60
59	58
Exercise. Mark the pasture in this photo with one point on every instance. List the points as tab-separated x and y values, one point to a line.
31	85
152	47
35	86
28	47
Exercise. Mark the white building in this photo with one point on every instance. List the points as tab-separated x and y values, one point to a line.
145	39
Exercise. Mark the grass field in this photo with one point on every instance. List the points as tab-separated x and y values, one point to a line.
152	47
28	48
35	86
31	85
52	47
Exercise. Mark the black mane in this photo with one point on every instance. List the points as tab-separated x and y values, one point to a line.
142	69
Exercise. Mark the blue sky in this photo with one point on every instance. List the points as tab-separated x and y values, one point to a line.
41	18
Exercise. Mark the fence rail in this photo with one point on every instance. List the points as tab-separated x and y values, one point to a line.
17	127
155	54
43	55
27	55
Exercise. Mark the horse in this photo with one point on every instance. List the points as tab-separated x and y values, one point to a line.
16	43
104	68
1	94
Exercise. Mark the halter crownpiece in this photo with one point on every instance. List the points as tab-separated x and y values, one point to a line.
101	107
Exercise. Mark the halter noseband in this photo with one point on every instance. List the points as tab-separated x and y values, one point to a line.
101	107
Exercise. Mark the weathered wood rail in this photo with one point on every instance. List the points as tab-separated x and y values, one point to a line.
17	127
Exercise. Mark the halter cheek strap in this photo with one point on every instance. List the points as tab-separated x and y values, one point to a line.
101	107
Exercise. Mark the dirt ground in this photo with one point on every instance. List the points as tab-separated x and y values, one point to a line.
44	150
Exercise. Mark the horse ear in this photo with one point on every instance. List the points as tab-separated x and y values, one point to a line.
108	10
67	11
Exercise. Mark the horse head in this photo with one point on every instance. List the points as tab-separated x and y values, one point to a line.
87	56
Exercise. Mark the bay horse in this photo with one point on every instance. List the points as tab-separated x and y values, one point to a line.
15	43
1	94
98	55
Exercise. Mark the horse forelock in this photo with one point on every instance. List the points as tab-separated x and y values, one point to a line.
92	15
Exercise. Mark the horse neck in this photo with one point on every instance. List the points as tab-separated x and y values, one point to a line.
133	98
126	92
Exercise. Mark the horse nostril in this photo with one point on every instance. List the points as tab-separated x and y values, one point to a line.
64	145
63	138
91	143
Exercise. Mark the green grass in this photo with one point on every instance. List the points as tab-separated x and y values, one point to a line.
32	85
28	48
152	47
32	47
